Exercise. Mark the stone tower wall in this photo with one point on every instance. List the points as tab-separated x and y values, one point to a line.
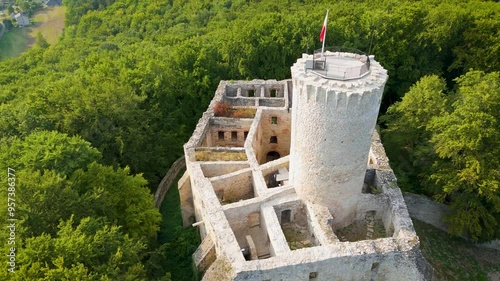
332	126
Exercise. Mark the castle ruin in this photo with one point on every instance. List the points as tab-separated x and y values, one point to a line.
288	180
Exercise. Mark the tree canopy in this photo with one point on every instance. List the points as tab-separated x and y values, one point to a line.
92	121
92	250
132	77
60	185
453	141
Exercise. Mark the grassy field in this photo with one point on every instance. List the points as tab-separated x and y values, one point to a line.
49	22
13	43
454	258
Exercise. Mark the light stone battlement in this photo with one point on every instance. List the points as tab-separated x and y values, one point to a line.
302	188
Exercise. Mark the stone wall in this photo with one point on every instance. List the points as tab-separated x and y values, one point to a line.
233	187
186	200
387	260
227	132
214	169
167	181
426	210
273	123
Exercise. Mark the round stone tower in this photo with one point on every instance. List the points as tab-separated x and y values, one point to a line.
336	100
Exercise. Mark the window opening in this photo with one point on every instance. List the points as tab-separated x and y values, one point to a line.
273	93
286	216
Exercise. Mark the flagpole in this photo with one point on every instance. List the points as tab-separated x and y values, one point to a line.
324	36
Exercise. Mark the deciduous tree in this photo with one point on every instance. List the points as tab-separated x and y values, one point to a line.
406	136
467	141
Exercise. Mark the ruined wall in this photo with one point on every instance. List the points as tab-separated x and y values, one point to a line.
255	88
210	214
278	245
247	222
257	137
227	132
243	218
233	187
426	210
321	224
273	123
214	169
186	200
167	181
269	93
366	262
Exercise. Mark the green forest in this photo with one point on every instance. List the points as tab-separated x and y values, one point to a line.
90	125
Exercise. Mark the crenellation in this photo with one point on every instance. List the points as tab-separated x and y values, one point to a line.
301	193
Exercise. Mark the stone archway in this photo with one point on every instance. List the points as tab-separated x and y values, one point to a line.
272	155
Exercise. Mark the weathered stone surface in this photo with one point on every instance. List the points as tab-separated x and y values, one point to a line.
204	256
426	210
339	188
332	131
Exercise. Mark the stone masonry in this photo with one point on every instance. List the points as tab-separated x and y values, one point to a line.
300	189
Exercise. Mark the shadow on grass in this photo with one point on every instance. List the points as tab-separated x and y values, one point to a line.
454	258
180	243
13	43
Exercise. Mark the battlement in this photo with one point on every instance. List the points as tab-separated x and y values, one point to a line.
339	63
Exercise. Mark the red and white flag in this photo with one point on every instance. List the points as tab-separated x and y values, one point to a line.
323	29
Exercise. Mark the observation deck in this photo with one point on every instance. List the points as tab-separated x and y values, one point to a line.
339	64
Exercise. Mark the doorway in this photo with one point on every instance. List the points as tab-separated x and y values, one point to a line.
286	216
272	155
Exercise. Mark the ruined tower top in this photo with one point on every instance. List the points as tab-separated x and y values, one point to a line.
338	64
